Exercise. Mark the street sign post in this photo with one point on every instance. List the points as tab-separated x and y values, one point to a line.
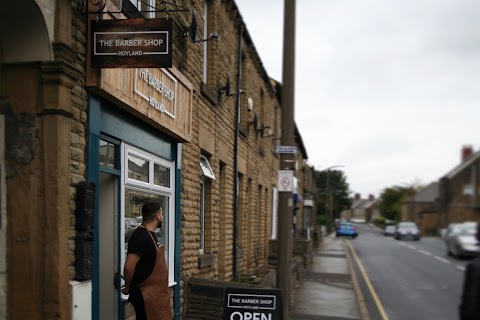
286	149
285	180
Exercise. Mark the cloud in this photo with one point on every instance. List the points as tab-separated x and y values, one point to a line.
389	89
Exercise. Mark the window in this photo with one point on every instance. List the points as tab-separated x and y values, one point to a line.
205	198
108	154
208	47
149	178
206	168
145	5
205	43
274	212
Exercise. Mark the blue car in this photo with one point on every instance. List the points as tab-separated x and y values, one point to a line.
346	230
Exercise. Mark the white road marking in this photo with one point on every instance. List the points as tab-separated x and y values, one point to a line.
425	252
442	260
459	267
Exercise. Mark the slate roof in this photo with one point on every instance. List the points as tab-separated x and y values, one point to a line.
427	194
363	203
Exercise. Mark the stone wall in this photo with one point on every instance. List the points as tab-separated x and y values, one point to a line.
214	136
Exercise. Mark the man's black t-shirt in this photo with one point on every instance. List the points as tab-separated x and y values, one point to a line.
141	244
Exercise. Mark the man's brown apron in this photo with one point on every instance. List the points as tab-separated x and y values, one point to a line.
154	289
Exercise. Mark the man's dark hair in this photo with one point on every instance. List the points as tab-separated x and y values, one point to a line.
149	210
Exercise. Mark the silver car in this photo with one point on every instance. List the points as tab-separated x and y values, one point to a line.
407	230
461	241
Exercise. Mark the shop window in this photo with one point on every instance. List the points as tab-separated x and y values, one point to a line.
109	154
161	175
138	168
149	178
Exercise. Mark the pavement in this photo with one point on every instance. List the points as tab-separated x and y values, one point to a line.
329	289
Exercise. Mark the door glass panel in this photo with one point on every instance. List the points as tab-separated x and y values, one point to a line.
134	201
161	176
107	154
137	168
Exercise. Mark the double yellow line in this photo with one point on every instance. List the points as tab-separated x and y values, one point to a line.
381	310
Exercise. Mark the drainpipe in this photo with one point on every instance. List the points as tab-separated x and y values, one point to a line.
235	152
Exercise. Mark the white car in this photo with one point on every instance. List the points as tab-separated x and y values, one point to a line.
460	239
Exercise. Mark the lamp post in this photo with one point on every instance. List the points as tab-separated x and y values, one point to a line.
284	252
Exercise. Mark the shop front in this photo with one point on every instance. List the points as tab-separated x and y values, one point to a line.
137	122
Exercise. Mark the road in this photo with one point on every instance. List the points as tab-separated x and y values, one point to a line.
409	279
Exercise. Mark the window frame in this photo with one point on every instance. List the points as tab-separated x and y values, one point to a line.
203	186
169	192
205	43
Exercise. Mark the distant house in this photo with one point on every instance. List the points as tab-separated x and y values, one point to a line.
363	209
423	208
455	197
459	192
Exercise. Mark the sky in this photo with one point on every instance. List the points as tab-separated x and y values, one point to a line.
388	90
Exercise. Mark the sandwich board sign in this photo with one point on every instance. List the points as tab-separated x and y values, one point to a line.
252	304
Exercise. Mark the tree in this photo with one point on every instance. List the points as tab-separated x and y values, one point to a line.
391	199
337	187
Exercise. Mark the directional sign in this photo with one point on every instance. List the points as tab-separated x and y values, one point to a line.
286	149
285	180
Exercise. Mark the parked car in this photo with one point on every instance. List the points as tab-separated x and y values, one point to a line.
389	231
460	239
345	229
407	230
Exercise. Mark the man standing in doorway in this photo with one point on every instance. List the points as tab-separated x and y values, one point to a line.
145	271
470	305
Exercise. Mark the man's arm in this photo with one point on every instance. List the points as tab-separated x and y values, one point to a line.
128	270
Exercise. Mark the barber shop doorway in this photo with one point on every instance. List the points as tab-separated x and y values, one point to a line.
128	178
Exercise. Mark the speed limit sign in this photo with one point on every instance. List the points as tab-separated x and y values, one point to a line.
285	181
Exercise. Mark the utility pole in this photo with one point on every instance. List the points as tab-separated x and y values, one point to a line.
287	161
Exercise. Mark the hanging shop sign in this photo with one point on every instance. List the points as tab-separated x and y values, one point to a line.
131	43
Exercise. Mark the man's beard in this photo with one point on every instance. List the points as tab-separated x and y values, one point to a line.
159	224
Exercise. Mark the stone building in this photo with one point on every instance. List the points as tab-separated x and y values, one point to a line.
459	192
453	198
422	208
83	148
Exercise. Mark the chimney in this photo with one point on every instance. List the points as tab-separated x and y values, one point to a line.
467	151
357	196
371	197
